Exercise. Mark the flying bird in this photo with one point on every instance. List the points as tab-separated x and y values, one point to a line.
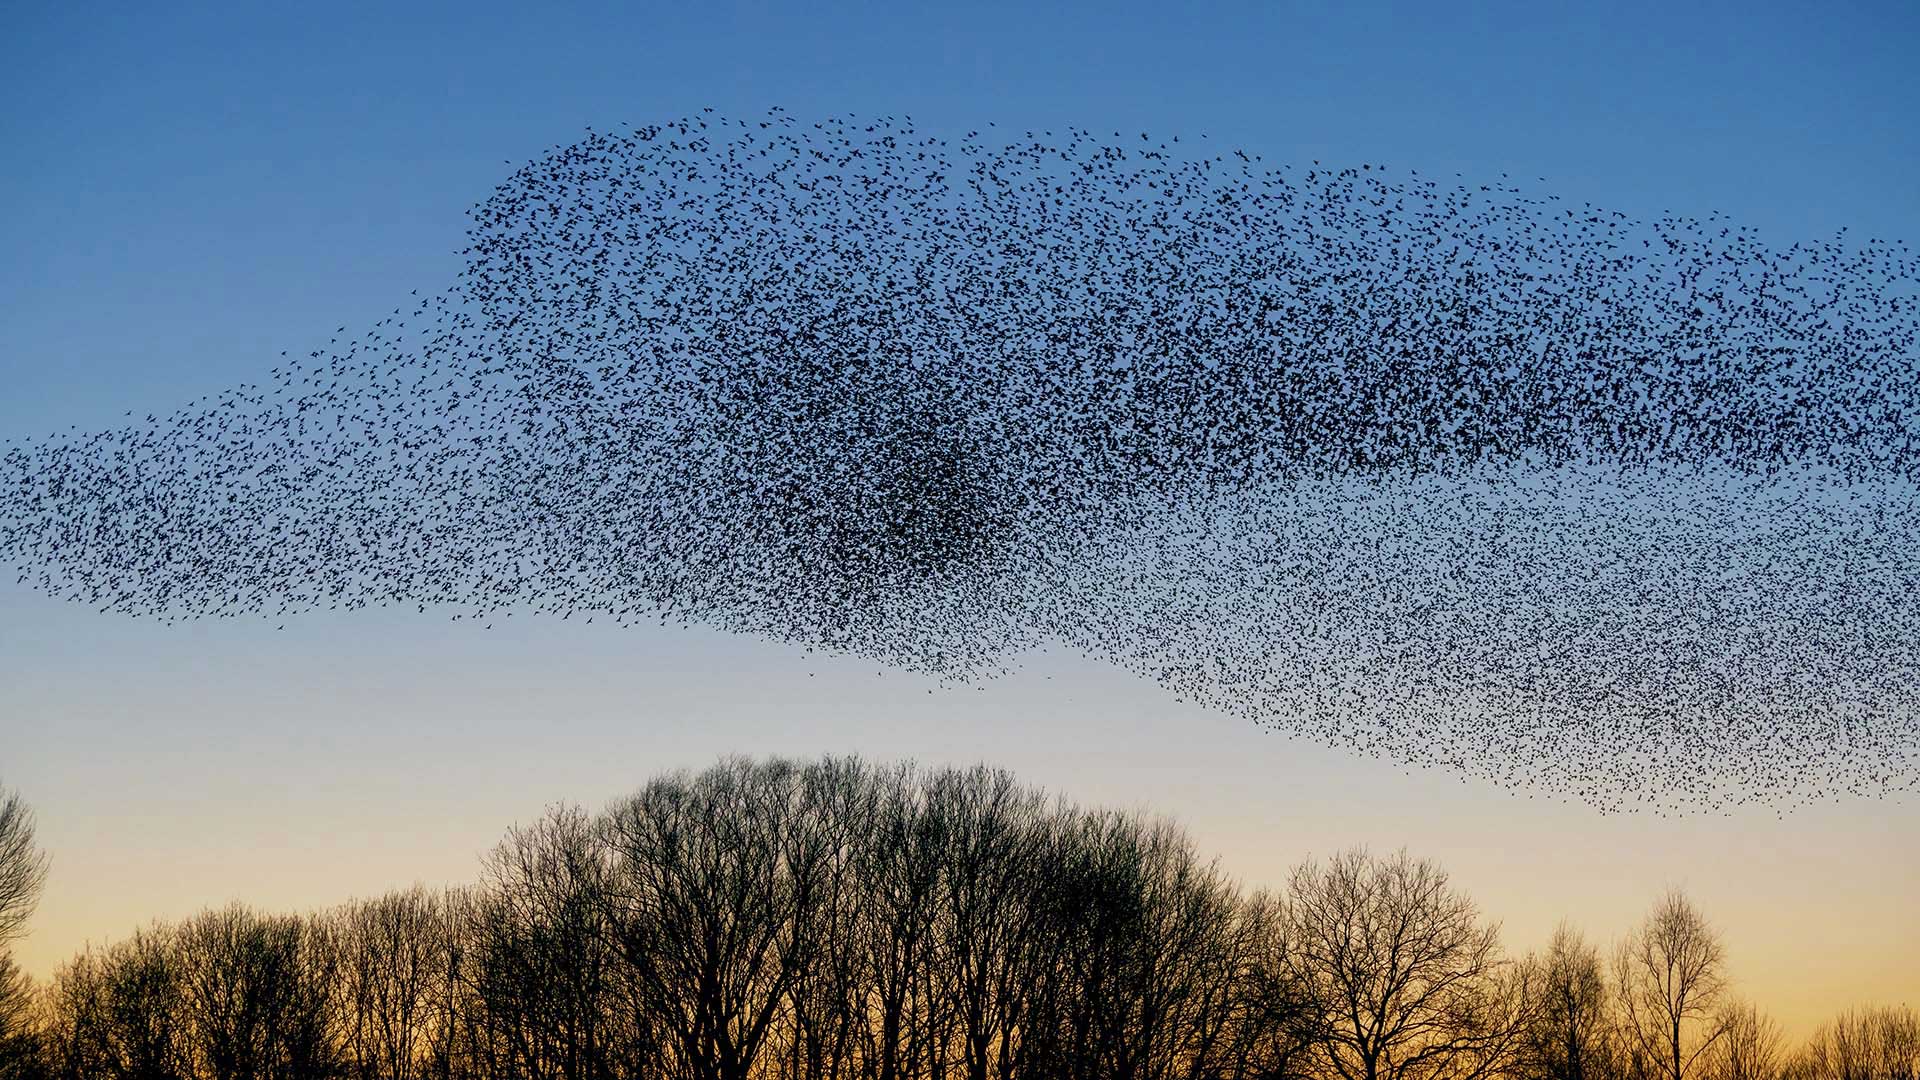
1464	476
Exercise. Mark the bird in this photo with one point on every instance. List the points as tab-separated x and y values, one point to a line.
1607	509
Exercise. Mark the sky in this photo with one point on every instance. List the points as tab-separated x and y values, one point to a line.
188	191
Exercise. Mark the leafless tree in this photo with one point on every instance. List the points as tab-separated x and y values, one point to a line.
717	877
852	1006
544	998
1670	981
1573	1035
20	1049
255	990
1863	1044
1406	981
1274	1026
997	959
1898	1031
1752	1047
119	1013
1159	975
834	920
395	963
23	867
23	872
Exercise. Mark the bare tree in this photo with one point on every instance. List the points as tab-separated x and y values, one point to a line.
119	1014
1898	1030
1751	1048
23	868
853	1008
394	957
1275	1026
23	871
1670	982
717	880
255	989
19	1040
1406	981
997	959
545	998
1158	976
1572	1036
831	920
1863	1044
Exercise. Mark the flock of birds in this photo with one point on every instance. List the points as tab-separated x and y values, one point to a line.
1471	477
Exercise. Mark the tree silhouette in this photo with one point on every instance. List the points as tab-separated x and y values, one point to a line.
1573	1034
1863	1044
119	1014
395	964
1670	984
23	867
1751	1047
839	920
1407	982
23	872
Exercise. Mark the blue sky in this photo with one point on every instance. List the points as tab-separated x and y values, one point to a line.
190	189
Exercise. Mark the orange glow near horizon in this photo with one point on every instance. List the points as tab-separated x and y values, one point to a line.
332	766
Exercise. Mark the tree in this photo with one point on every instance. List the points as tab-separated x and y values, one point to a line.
395	962
256	990
1898	1031
1670	983
1157	972
998	957
541	973
1275	1025
19	1041
1572	1036
717	878
1751	1047
1406	982
120	1014
23	872
23	868
832	920
1863	1044
853	1006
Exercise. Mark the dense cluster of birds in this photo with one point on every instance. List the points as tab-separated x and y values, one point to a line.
1458	473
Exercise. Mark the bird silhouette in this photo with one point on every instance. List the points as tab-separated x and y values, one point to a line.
1464	476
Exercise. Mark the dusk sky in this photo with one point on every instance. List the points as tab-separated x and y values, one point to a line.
189	192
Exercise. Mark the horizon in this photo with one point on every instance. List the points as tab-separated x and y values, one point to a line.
197	192
1810	901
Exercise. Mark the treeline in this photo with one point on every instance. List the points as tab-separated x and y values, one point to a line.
836	919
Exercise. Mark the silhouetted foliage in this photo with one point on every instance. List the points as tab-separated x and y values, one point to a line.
837	920
23	868
1573	1033
1863	1044
1406	982
1749	1047
23	871
1671	983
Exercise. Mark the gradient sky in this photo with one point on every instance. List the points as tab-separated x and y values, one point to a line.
188	192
